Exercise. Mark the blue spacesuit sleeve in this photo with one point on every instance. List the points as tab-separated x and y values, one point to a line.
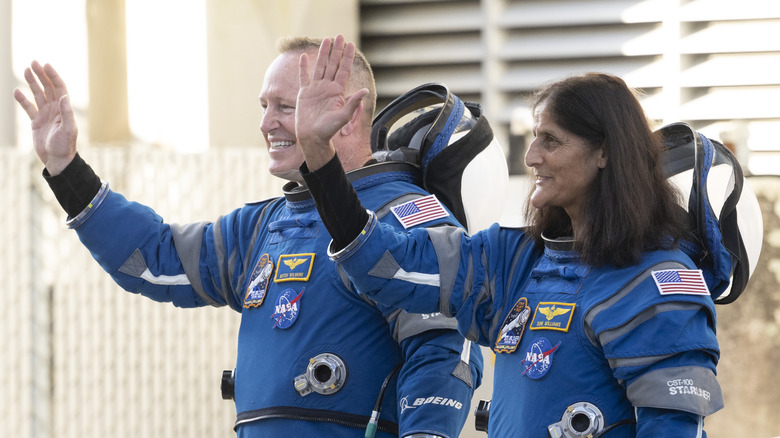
437	382
653	422
664	349
142	253
438	269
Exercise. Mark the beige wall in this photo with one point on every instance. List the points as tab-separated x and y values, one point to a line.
242	39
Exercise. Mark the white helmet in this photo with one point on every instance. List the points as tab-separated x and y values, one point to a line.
723	209
452	143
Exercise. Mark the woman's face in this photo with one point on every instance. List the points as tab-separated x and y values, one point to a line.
565	166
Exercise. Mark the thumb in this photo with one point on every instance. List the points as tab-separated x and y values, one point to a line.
353	101
66	110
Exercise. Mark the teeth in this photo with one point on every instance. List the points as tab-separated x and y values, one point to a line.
281	144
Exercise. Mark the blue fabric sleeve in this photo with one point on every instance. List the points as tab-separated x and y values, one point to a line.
432	398
652	422
133	245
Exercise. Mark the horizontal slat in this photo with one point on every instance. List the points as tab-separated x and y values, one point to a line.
426	17
535	14
716	10
636	71
733	36
422	50
582	42
517	105
404	2
734	69
734	103
460	79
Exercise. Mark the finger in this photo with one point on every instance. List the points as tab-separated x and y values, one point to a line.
304	78
60	89
48	88
25	103
335	58
322	60
37	91
345	65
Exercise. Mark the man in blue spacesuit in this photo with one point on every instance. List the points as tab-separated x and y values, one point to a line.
603	326
313	356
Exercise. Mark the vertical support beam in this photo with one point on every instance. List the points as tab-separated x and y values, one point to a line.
107	49
672	62
7	82
41	354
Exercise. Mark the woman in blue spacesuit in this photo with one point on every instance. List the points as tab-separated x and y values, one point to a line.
600	324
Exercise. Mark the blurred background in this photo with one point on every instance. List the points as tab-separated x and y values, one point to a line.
166	99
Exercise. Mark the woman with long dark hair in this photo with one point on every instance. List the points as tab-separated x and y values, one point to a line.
600	324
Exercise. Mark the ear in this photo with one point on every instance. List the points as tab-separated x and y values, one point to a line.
602	159
347	129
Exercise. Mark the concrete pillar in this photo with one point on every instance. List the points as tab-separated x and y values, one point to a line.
7	82
106	43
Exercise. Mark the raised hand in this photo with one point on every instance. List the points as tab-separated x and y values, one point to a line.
53	124
322	107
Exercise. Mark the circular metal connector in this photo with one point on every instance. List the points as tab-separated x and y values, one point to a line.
325	374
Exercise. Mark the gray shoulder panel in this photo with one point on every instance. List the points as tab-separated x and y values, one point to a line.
188	239
411	324
690	389
447	244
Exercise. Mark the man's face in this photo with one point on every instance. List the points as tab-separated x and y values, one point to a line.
277	98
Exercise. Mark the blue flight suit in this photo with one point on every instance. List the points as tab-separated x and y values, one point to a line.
267	260
565	333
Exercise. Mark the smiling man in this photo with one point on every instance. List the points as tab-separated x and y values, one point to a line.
312	355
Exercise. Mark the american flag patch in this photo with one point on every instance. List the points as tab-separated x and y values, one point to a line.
418	211
680	281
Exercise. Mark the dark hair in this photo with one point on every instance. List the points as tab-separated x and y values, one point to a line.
632	207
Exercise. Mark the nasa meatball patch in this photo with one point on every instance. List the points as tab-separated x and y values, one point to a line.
539	358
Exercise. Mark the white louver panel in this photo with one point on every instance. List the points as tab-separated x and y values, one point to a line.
712	63
412	42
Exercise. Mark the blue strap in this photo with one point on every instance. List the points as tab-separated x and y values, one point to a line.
443	139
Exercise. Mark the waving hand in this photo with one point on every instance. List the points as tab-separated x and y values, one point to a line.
53	124
322	107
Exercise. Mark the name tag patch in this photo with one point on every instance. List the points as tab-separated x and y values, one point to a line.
294	267
553	316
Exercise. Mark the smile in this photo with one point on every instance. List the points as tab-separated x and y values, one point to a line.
281	144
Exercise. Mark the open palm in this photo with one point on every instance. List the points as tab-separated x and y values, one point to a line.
51	116
322	107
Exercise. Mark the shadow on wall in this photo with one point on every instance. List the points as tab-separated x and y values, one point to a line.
749	336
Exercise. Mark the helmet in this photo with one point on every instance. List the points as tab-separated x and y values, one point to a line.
453	145
723	209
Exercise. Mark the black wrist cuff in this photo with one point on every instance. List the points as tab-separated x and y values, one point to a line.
75	186
338	203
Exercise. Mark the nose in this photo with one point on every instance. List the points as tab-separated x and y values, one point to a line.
268	121
532	156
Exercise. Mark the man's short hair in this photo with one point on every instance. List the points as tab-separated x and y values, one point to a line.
362	75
